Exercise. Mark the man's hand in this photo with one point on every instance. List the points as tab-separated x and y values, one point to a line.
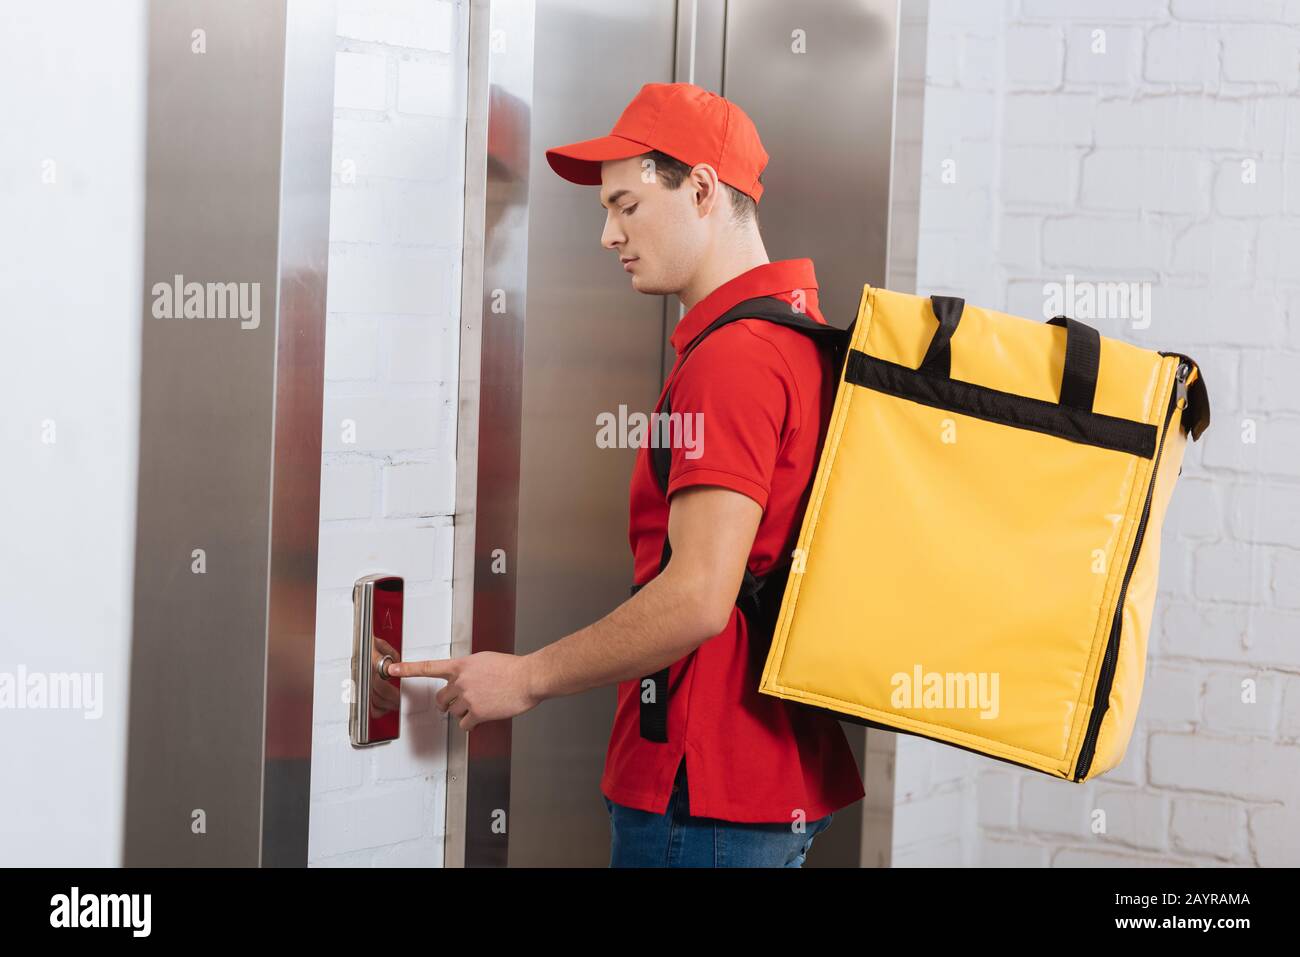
486	686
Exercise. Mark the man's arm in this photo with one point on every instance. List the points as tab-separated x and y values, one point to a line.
712	530
741	384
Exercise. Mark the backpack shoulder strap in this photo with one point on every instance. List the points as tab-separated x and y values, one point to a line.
768	308
758	602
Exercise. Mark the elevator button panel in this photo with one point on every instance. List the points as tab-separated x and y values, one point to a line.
375	705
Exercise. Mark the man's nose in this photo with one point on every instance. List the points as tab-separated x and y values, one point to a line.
611	236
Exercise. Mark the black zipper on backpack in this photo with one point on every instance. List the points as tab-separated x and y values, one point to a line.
1101	700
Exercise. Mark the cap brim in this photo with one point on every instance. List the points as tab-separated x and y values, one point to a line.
580	162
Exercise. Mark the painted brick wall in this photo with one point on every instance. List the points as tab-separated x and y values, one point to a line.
1155	141
388	475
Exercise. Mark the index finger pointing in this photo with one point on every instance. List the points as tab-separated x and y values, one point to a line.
437	668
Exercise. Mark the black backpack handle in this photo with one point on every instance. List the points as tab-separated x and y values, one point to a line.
1082	352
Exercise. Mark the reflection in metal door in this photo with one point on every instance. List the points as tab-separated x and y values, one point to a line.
593	344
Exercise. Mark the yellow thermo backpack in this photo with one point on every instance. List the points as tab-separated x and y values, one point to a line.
977	561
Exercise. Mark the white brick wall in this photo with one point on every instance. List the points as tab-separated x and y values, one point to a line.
1128	164
388	476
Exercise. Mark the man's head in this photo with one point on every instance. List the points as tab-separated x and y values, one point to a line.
667	220
680	178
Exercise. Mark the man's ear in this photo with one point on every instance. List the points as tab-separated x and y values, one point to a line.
705	183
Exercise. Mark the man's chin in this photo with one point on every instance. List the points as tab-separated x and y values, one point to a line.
647	286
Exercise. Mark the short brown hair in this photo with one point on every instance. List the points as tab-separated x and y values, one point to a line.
672	172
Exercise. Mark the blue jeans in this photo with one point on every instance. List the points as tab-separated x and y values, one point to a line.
678	839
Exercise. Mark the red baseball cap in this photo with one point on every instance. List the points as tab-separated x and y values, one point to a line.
687	122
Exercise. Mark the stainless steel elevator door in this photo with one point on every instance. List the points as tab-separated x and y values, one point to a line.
817	79
591	344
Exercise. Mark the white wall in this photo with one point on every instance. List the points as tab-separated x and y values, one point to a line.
391	369
71	247
1127	165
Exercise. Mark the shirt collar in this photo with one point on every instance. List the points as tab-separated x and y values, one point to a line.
765	279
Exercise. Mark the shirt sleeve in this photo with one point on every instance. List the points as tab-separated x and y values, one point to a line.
736	397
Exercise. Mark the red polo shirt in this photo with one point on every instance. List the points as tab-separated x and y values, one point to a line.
766	393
